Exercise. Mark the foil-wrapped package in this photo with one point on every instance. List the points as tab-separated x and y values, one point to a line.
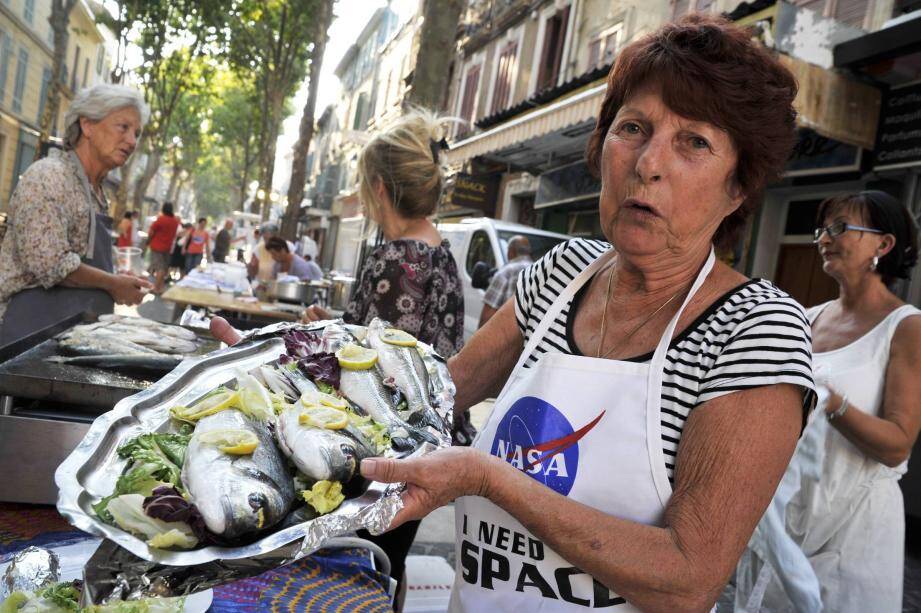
128	568
30	570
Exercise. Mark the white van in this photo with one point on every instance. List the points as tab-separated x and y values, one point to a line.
480	247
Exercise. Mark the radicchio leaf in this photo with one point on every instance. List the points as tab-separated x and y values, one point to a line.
167	503
322	367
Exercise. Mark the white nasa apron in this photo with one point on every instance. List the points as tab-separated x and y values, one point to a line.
590	429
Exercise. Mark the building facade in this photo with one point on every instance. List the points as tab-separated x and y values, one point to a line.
26	52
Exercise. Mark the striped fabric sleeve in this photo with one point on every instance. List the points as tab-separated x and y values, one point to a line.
771	345
531	283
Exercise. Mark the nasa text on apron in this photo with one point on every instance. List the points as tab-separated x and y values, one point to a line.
589	429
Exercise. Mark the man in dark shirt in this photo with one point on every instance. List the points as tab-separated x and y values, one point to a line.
223	241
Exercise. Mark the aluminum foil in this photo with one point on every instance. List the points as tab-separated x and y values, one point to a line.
126	568
30	570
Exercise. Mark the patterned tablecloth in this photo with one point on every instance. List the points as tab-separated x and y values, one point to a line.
329	580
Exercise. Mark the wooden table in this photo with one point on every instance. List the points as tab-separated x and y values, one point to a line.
226	302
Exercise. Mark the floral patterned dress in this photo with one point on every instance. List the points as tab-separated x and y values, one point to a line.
417	289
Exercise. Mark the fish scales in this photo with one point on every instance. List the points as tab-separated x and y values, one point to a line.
237	495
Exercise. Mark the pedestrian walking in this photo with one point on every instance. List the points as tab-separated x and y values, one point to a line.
197	245
502	285
125	234
160	239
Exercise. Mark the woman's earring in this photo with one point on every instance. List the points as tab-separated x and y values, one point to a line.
874	263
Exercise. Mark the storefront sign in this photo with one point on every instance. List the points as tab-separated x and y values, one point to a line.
815	154
475	192
566	184
898	142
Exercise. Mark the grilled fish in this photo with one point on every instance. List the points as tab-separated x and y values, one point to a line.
405	367
237	495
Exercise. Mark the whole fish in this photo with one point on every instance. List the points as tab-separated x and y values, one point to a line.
366	390
158	362
319	453
151	338
405	367
237	495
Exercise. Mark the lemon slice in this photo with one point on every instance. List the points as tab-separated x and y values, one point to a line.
324	417
398	337
356	357
320	398
230	441
209	405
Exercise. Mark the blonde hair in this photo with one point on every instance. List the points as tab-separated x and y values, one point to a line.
408	159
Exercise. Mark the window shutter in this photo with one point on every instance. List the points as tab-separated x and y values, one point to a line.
681	7
503	87
594	53
468	102
851	12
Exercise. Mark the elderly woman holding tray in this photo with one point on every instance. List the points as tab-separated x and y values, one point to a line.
651	395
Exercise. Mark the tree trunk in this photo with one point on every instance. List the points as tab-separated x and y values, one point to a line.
124	187
302	146
59	19
267	155
140	187
436	50
173	184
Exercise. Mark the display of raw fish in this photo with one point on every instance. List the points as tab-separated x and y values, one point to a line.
366	389
237	495
96	343
321	454
149	337
152	361
169	330
405	367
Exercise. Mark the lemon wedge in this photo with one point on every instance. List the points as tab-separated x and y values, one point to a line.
324	417
356	357
329	400
209	405
230	441
398	337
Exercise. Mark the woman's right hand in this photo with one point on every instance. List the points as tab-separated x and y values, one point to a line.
314	313
128	289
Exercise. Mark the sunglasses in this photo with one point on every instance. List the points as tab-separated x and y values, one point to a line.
840	227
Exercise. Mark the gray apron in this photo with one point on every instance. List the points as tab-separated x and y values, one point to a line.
36	308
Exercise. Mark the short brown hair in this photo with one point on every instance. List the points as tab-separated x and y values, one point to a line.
277	243
710	70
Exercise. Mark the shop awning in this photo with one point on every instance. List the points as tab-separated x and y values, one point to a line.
834	105
578	107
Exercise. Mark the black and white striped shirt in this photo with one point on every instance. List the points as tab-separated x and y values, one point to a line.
752	336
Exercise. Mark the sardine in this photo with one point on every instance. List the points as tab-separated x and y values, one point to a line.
148	337
405	367
366	390
158	362
318	453
237	495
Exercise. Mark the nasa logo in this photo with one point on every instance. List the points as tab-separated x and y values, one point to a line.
537	439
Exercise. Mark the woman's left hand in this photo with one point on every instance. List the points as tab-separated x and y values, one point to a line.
433	480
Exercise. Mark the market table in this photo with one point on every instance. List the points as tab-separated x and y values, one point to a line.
328	580
226	301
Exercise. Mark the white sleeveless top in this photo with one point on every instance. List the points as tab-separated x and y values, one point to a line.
859	371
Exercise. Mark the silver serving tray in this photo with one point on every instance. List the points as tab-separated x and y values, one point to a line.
89	473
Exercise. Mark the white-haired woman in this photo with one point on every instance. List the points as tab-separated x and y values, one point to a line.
56	257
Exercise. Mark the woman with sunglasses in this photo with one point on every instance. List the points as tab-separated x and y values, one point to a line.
847	514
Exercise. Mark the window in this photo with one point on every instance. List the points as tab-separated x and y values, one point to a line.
704	6
603	48
42	97
680	8
86	70
551	56
73	75
505	72
100	58
22	68
28	10
851	12
6	57
468	99
361	110
480	251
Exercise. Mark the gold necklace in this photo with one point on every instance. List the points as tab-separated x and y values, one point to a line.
604	315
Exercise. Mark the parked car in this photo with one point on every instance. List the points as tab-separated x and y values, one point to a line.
480	246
